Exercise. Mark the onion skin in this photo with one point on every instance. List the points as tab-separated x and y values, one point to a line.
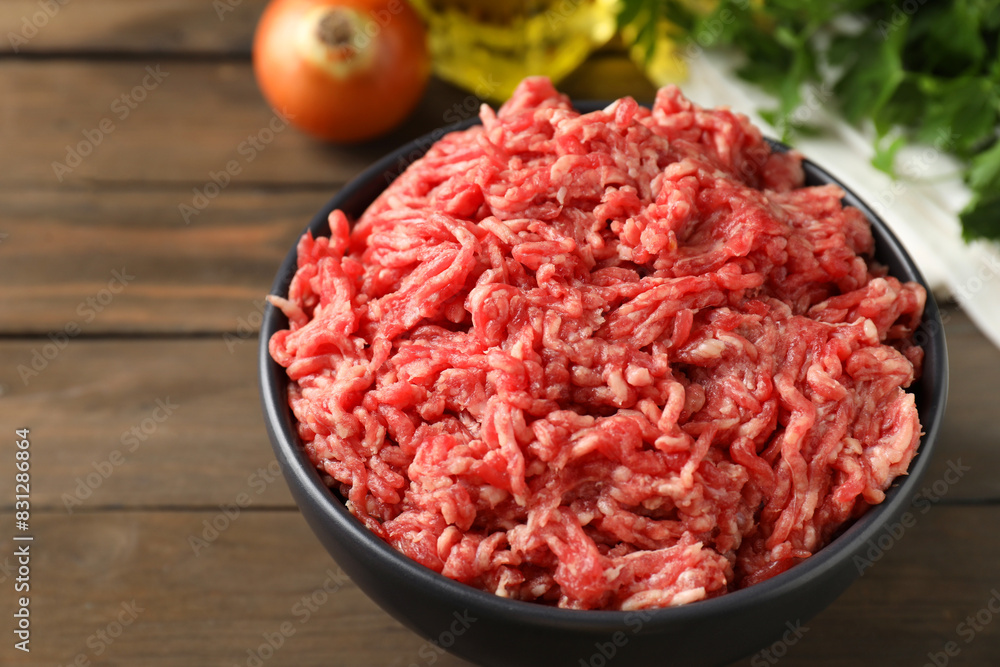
341	70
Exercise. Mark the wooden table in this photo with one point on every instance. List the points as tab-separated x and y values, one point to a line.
128	341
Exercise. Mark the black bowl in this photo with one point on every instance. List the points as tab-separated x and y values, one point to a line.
489	630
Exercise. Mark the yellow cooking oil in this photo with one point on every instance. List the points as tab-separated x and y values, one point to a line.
488	46
667	60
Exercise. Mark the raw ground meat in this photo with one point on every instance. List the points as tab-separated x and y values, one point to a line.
618	360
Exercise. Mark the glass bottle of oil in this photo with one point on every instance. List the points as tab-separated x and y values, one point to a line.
488	46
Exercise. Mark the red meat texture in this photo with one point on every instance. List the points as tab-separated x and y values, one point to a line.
615	360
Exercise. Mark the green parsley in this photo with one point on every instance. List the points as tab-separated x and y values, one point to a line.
918	70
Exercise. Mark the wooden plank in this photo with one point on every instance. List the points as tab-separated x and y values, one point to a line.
207	451
141	423
211	608
209	275
81	124
913	601
205	609
122	26
196	268
970	434
71	124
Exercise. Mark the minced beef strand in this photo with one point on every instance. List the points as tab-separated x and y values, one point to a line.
617	360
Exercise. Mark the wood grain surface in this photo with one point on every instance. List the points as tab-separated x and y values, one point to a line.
128	333
102	27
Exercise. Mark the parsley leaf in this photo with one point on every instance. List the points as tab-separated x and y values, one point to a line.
927	71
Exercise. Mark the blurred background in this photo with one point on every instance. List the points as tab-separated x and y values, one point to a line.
157	163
